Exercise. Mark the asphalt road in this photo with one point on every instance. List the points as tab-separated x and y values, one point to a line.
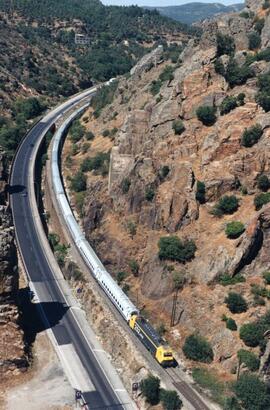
58	316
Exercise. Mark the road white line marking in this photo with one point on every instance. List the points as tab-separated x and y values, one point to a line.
75	371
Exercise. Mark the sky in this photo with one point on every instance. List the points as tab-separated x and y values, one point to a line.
157	3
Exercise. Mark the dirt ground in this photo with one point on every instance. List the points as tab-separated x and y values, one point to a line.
44	387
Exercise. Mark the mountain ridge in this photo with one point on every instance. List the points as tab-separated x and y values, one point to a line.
193	12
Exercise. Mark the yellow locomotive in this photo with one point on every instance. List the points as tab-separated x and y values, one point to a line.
152	341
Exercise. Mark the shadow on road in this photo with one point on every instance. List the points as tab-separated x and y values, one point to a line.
31	319
14	189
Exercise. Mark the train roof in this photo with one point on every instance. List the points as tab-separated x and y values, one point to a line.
150	331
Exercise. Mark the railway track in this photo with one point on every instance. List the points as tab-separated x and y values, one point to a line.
182	386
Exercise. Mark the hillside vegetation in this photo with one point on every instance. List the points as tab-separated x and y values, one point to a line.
40	59
117	34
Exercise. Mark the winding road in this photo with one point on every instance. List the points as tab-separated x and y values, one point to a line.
57	314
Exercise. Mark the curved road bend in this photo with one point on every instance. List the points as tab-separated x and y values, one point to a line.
58	316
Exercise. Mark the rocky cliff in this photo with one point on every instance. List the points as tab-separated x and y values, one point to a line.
12	349
160	150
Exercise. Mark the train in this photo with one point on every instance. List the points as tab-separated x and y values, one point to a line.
140	326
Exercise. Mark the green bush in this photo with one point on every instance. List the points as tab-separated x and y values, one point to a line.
125	185
171	247
236	303
225	45
231	403
251	135
263	96
126	288
134	267
167	74
178	127
106	133
103	97
263	99
259	293
261	199
74	149
228	204
228	104
132	228
54	240
179	280
79	200
155	87
78	182
258	301
252	393
241	99
263	183
207	115
120	277
250	360
251	334
264	55
170	400
149	193
200	192
237	75
227	280
231	324
85	147
150	388
219	67
164	171
259	25
77	131
198	348
244	14
234	229
266	277
254	41
96	163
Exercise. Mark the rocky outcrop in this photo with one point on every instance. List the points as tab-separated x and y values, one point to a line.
12	348
8	257
230	24
147	62
254	5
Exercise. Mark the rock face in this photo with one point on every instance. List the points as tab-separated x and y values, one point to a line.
8	257
145	64
12	349
254	5
159	155
265	36
3	176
